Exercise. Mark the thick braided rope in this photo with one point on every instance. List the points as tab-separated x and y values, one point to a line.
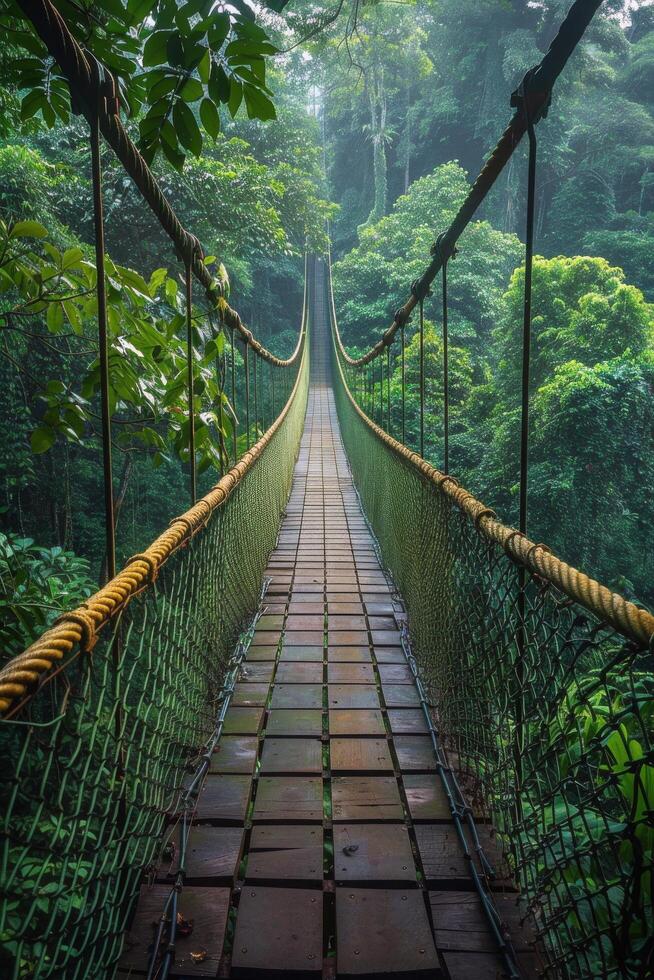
611	608
86	87
542	78
82	626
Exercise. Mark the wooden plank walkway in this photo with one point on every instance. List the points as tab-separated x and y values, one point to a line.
323	825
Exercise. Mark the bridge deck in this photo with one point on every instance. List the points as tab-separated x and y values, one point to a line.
323	824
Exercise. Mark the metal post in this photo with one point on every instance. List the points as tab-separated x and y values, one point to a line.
190	375
101	289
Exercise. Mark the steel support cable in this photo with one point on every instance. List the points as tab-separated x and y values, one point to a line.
540	82
611	608
80	627
87	87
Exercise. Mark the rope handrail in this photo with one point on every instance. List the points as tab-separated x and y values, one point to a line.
81	626
535	90
629	619
88	84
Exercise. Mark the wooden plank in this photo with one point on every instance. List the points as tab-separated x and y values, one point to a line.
278	929
213	855
357	754
291	755
305	621
256	671
383	932
250	695
301	721
313	654
386	638
400	696
461	926
299	673
357	721
441	853
395	674
356	654
346	638
224	798
266	638
389	655
288	853
367	798
291	798
303	638
243	721
235	753
205	908
261	653
297	696
354	696
415	753
426	797
350	673
409	721
373	852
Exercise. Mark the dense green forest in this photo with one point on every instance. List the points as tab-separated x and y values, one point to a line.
374	117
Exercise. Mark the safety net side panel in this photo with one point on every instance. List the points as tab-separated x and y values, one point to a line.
100	752
546	713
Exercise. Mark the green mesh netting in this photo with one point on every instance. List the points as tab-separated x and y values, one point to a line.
77	835
571	788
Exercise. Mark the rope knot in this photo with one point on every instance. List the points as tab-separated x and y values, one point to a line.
530	98
437	249
420	290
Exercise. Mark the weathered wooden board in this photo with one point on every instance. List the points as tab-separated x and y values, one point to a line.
383	932
278	929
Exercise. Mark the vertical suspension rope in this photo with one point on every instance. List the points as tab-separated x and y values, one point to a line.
446	378
388	389
422	377
272	387
403	386
235	415
188	282
521	637
101	290
256	399
526	324
246	362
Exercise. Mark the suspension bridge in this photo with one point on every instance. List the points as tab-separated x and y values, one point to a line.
338	720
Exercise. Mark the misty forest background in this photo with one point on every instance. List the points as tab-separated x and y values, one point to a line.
384	113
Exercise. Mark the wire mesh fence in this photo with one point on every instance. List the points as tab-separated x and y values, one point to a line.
95	759
546	712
